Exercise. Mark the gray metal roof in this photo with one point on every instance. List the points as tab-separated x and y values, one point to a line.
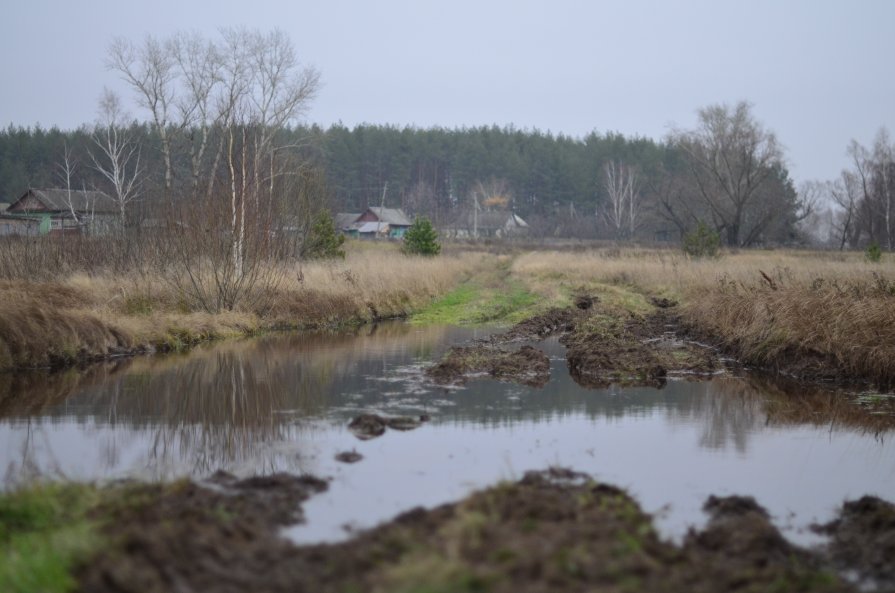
64	200
393	216
372	227
343	220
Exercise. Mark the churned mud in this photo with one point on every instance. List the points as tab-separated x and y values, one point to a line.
605	348
604	345
554	530
526	365
862	541
220	535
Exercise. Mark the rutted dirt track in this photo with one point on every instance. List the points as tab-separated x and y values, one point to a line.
555	530
603	346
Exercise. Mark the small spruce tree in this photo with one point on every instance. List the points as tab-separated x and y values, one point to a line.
324	240
873	253
702	242
421	238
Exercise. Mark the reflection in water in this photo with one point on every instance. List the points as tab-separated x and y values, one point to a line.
219	406
282	402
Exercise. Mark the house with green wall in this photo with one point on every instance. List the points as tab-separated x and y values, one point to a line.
63	211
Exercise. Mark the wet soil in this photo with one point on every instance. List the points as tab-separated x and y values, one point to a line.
554	530
526	365
604	345
369	426
606	348
216	536
862	540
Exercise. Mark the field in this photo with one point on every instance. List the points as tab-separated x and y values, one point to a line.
822	317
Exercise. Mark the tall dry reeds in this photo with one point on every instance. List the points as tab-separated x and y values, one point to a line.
827	328
819	314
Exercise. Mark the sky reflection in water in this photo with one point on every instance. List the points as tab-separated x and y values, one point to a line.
282	403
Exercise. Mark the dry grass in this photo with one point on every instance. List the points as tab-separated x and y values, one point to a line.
92	315
824	315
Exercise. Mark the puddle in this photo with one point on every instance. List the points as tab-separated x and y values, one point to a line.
283	403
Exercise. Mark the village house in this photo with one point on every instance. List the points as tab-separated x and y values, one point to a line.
375	222
493	223
58	211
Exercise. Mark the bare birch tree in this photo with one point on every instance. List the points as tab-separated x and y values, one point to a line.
622	211
118	159
150	69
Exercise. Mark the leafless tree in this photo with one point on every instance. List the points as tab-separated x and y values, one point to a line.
66	171
731	158
845	193
622	211
151	70
884	177
118	159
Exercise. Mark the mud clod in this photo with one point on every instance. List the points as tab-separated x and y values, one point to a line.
663	303
584	302
349	457
527	365
403	423
370	426
367	426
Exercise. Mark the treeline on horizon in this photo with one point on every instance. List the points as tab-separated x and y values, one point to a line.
557	183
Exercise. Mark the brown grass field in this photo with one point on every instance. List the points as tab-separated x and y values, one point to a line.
829	315
93	315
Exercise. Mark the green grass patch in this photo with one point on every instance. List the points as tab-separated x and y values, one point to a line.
471	304
44	534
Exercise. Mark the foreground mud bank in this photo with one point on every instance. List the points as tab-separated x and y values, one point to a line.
552	530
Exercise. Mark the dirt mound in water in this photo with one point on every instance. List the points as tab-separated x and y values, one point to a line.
603	346
527	365
368	426
606	348
862	539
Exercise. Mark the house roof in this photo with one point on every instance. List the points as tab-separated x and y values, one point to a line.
489	220
58	200
393	216
372	227
343	220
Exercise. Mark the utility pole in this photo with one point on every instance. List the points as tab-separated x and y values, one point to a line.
475	215
381	208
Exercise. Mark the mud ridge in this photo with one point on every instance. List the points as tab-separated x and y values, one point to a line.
526	365
553	530
604	346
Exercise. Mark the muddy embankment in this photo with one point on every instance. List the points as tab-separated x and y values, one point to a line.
554	530
604	345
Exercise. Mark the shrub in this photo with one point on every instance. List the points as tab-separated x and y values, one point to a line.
873	253
421	238
702	242
324	240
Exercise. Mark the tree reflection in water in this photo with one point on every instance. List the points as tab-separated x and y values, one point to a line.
257	403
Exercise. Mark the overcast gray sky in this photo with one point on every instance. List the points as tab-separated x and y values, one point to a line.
818	72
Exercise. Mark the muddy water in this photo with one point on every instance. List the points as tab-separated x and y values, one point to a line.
283	403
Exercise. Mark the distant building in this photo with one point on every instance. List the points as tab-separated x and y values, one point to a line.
59	211
492	223
375	222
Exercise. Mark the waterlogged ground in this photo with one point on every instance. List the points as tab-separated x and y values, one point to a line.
284	402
